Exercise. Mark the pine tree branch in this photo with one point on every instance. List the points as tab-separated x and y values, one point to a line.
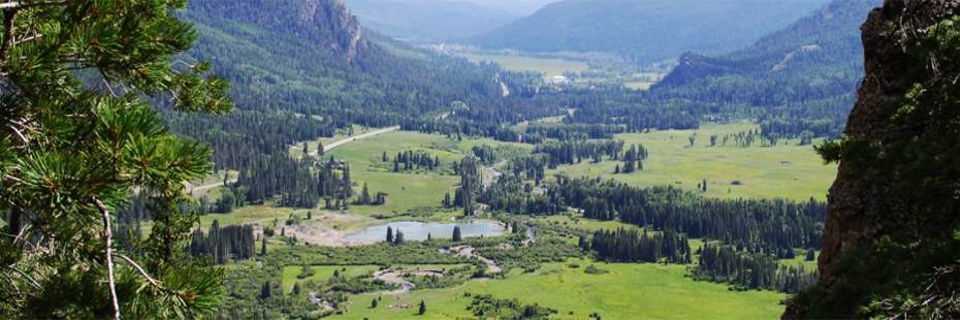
30	280
153	282
107	238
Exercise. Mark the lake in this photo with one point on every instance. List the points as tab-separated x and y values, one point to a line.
417	231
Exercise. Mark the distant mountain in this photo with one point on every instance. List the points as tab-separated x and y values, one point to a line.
300	69
648	30
803	77
515	7
428	19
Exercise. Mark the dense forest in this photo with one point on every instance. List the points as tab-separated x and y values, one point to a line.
750	270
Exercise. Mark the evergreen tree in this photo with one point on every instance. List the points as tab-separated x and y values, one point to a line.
263	246
389	235
364	195
398	239
77	135
456	234
373	303
265	291
347	184
423	308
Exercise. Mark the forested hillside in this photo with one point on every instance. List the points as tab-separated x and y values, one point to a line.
802	78
300	70
427	19
647	30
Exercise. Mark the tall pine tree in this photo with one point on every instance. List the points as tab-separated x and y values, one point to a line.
73	151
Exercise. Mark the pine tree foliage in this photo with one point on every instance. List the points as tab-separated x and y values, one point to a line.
76	137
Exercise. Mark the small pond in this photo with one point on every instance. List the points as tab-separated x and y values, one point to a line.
417	231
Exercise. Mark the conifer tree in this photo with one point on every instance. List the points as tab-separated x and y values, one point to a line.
398	238
364	195
265	291
457	237
72	152
423	308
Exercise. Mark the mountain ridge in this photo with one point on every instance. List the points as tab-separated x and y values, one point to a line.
428	20
800	75
647	30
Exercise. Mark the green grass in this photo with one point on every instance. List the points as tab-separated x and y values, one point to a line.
783	171
296	151
589	225
406	191
800	260
249	215
629	291
324	272
549	67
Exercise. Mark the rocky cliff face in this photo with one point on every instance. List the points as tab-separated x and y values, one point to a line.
333	18
849	218
325	22
859	209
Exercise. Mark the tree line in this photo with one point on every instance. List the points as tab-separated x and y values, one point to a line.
623	245
775	226
232	242
750	270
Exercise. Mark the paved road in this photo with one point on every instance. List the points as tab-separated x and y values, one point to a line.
344	141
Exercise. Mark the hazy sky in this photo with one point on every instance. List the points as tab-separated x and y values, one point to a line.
516	7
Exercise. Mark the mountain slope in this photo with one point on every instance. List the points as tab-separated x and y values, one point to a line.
427	19
300	69
648	30
803	76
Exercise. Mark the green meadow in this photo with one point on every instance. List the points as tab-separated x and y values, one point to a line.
323	272
549	67
787	170
406	191
628	291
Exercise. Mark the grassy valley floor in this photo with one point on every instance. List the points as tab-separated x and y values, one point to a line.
787	170
628	291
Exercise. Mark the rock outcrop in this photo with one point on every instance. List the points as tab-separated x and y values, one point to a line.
327	23
859	209
881	93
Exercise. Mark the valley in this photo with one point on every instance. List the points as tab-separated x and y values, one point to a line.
560	185
435	159
455	275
